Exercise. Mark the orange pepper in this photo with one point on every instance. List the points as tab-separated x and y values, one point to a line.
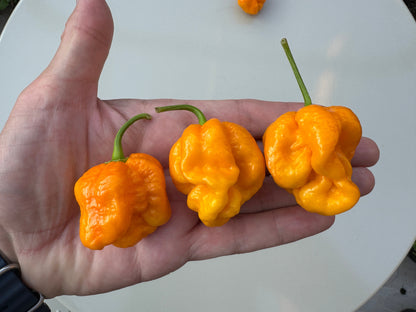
123	200
251	6
309	153
217	164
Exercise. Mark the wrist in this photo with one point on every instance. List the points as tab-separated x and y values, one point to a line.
14	294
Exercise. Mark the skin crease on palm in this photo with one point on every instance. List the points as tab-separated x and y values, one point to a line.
58	129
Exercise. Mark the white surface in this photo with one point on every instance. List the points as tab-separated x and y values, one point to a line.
355	53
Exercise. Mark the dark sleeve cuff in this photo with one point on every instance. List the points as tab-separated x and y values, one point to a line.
15	296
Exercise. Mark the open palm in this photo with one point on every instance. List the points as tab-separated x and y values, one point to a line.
58	129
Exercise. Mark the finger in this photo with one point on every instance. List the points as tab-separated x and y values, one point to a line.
250	232
84	47
271	196
364	179
169	125
254	115
366	154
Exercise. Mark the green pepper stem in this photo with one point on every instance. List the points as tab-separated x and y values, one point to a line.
193	109
295	69
118	154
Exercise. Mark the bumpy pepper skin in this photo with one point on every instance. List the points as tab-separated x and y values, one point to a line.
219	166
251	6
122	202
309	153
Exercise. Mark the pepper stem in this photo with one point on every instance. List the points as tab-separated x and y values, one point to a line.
193	109
118	154
295	69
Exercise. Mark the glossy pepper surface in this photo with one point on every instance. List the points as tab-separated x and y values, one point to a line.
309	153
251	6
123	200
218	165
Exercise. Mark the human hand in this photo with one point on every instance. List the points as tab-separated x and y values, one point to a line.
58	129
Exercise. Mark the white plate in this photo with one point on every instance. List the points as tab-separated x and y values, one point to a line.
355	53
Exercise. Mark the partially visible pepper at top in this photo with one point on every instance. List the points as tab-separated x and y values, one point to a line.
309	153
251	6
217	164
123	200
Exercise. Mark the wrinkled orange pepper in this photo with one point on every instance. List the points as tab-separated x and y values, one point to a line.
309	153
251	6
217	164
123	200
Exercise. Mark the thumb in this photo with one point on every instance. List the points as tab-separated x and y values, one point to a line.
84	46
